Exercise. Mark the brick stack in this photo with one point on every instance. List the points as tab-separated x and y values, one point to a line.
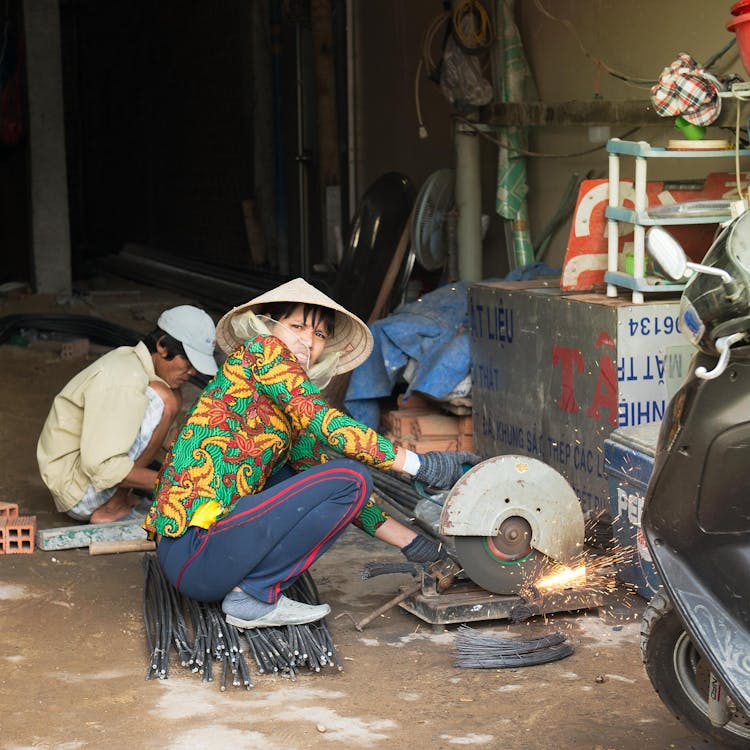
16	532
420	426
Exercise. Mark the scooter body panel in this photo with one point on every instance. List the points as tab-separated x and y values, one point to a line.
696	516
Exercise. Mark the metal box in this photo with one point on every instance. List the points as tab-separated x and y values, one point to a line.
554	374
628	462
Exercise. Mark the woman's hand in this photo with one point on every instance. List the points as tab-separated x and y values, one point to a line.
443	469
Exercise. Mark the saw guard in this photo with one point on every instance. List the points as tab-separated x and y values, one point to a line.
512	485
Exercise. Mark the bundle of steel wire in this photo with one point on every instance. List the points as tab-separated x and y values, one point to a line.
397	491
475	650
208	645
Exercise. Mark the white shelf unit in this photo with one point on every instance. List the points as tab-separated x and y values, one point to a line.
639	217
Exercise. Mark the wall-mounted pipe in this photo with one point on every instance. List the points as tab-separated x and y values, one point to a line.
468	204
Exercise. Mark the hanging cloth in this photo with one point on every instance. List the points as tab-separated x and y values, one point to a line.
511	73
684	88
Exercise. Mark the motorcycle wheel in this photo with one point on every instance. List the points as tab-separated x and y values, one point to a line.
680	675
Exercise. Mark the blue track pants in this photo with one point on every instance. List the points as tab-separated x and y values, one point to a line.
269	539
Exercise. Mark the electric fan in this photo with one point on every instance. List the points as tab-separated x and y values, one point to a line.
433	230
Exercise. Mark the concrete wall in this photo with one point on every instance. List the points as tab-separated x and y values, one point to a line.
637	39
166	134
50	236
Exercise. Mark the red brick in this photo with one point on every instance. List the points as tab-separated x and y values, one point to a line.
415	401
8	510
400	423
17	535
435	425
466	443
75	349
432	444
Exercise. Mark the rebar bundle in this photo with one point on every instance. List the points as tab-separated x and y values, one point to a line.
207	644
396	490
475	650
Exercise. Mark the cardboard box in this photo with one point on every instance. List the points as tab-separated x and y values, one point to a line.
553	375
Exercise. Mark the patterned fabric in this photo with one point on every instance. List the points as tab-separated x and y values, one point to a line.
370	517
686	89
259	413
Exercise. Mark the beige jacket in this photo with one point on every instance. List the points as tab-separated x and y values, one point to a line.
92	424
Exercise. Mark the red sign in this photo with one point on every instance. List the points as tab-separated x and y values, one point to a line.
586	255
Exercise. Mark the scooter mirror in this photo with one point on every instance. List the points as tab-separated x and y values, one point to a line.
667	252
670	256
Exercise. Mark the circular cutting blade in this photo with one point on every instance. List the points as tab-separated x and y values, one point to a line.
503	563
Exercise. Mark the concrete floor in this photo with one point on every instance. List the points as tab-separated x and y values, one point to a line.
74	656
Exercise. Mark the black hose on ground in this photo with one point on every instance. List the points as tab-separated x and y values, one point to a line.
97	330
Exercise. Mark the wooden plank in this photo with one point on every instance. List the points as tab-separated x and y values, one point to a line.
70	537
124	545
379	310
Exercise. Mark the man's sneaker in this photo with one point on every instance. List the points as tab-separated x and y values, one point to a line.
286	612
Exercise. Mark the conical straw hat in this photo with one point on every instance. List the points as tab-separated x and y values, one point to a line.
352	337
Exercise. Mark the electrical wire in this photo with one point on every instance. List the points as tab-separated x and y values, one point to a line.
637	82
717	55
427	64
472	27
431	68
417	104
564	210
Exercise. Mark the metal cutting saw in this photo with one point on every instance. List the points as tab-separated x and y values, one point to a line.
511	518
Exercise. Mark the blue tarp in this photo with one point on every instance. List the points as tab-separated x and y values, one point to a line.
434	332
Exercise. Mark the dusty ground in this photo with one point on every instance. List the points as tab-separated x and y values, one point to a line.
73	653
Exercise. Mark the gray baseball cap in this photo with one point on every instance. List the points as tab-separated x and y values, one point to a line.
195	330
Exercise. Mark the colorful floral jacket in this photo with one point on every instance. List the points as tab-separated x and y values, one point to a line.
259	413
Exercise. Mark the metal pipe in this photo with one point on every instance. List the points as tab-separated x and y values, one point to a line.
468	204
612	225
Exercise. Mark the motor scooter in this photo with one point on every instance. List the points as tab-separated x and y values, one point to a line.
695	632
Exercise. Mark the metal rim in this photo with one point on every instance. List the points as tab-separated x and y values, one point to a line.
512	543
692	675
